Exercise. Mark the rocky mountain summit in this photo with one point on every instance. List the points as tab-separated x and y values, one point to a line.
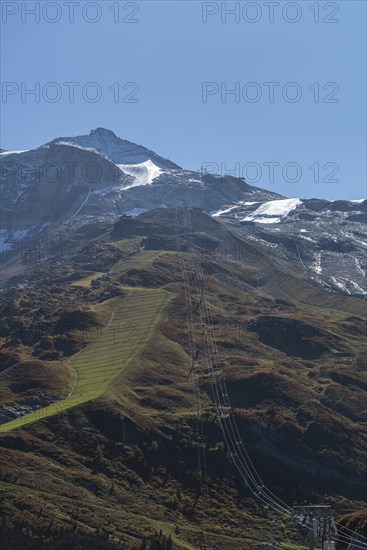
73	188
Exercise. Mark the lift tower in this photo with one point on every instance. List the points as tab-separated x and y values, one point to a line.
319	525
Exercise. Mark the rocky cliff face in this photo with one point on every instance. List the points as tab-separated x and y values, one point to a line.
326	240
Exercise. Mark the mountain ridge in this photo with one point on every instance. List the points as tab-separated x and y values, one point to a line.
74	186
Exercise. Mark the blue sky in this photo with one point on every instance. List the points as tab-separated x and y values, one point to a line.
317	143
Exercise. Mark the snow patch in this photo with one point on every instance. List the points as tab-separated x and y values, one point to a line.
358	288
216	213
280	207
340	284
136	211
307	239
261	220
76	146
262	241
343	285
4	153
101	191
273	211
225	210
316	266
359	267
144	173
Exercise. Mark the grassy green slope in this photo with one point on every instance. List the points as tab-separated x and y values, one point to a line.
95	367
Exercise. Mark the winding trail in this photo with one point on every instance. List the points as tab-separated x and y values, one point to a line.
75	384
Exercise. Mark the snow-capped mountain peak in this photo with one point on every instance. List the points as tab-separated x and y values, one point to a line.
74	186
117	150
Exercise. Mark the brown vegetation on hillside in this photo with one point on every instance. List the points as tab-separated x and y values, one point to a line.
116	471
